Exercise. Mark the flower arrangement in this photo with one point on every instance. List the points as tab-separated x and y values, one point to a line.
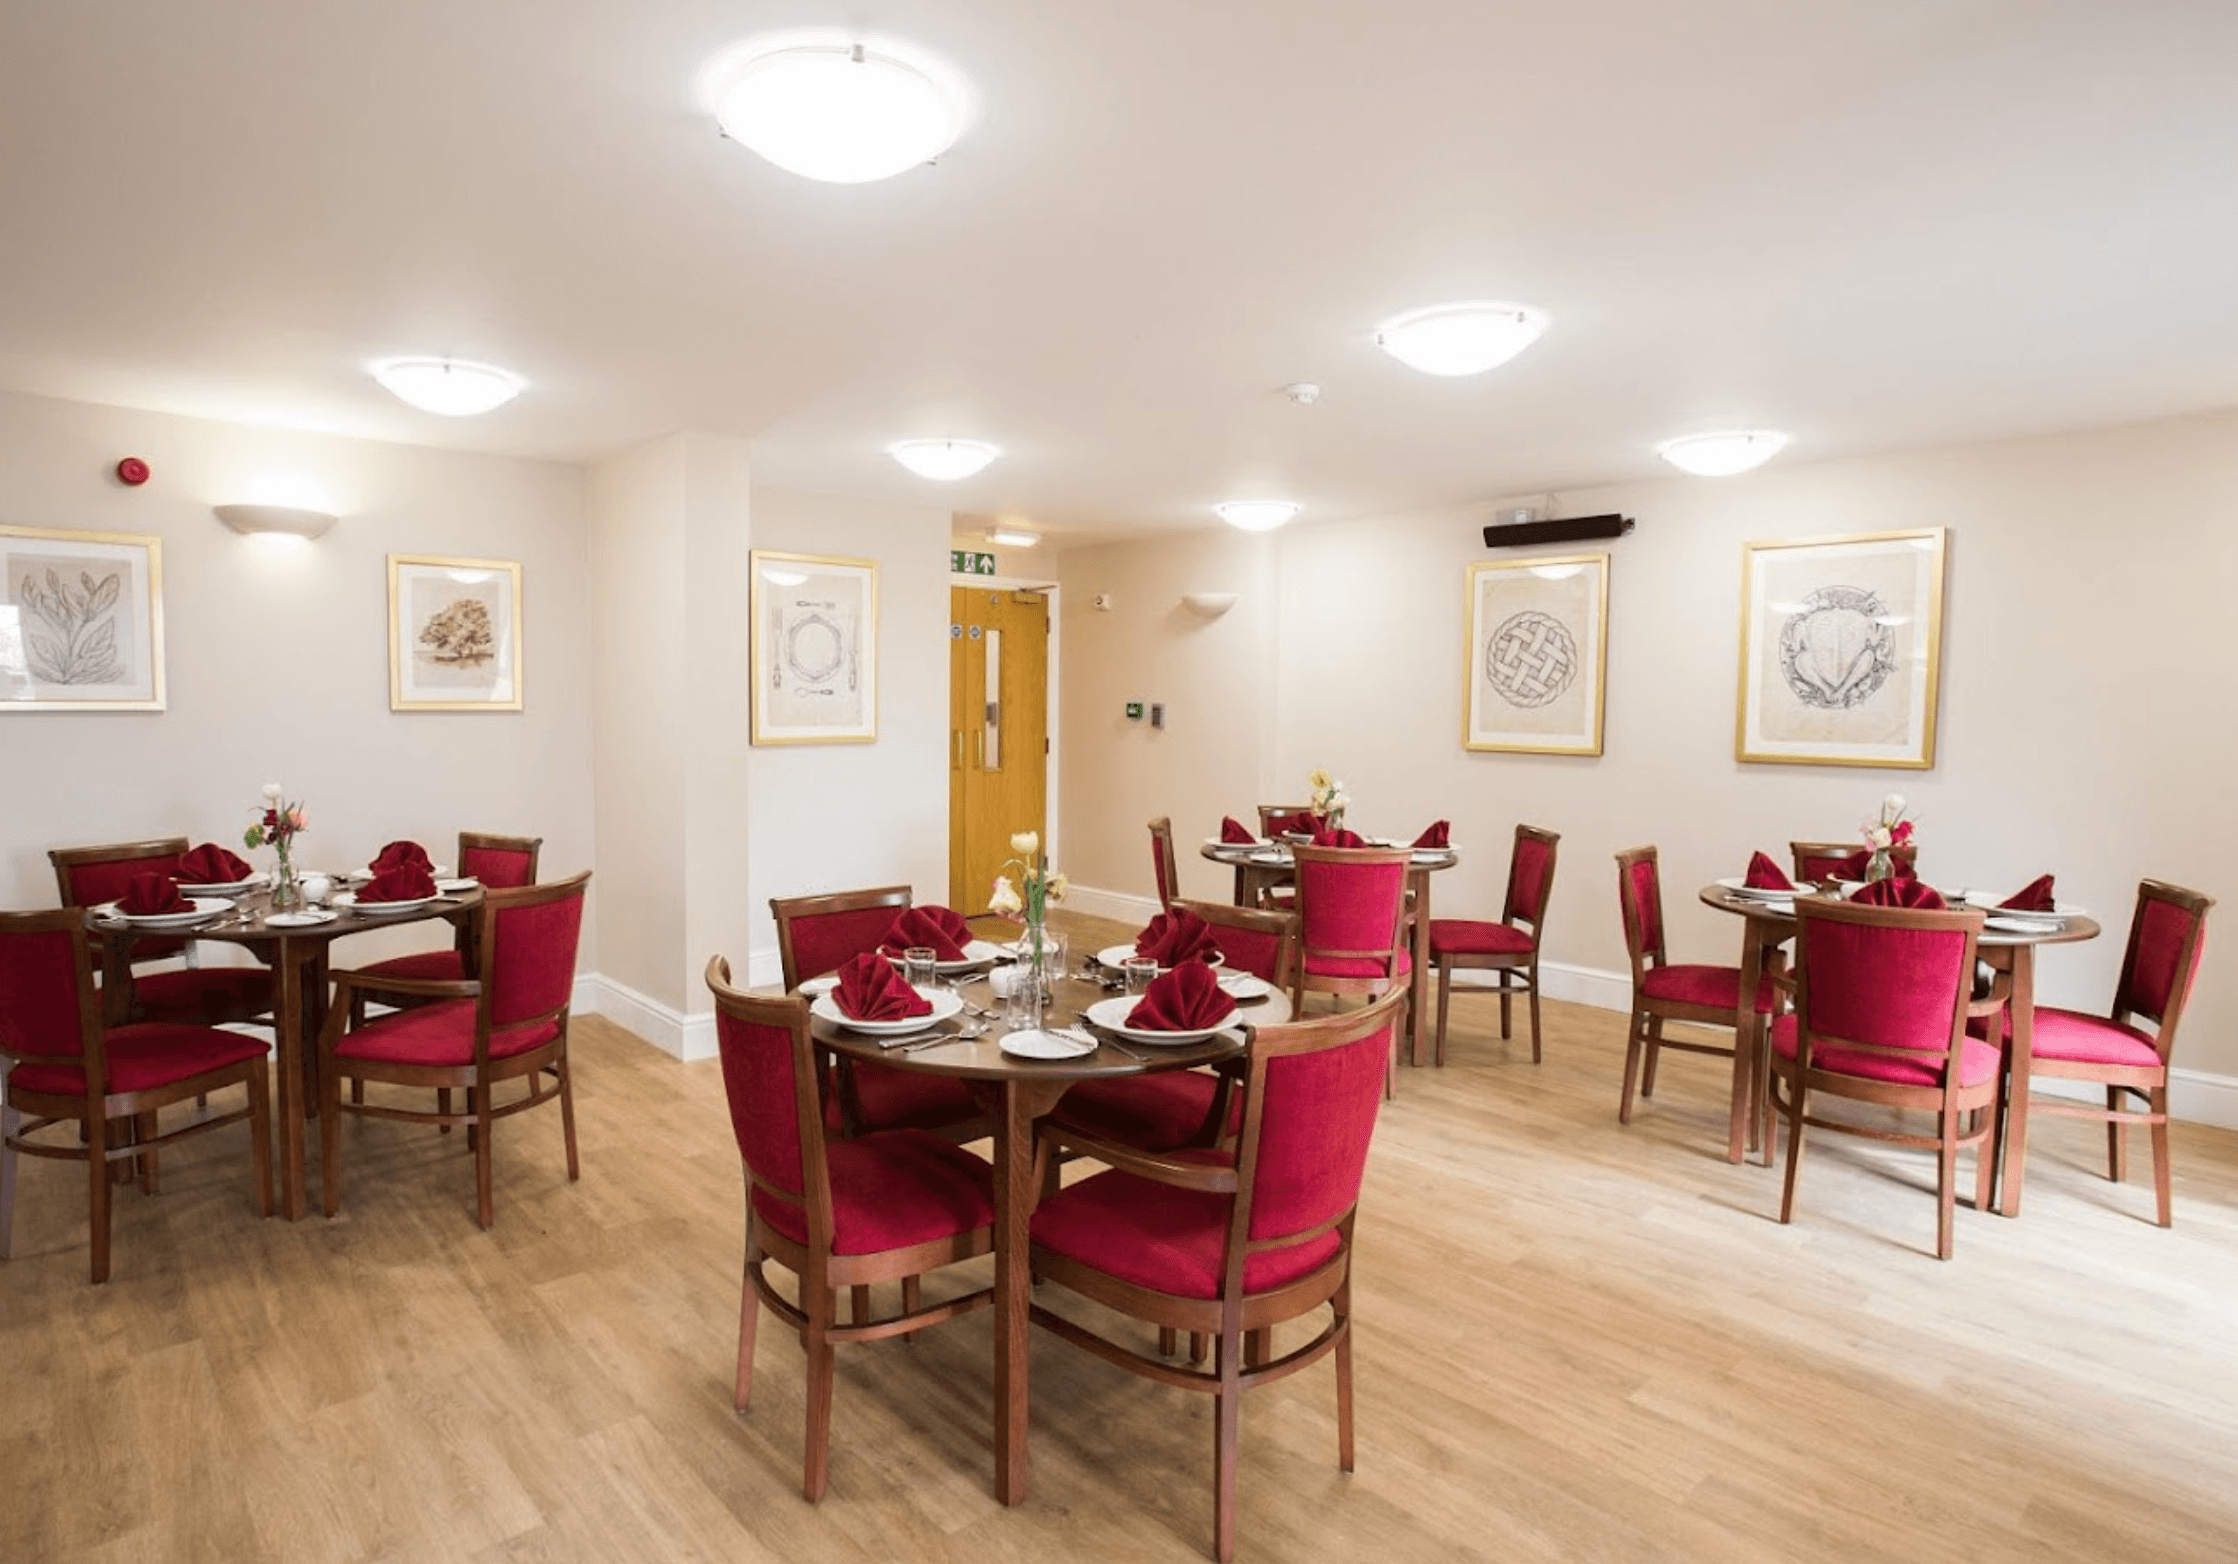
1327	797
1889	827
1037	885
276	825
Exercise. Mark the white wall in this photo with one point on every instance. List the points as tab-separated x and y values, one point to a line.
278	656
2085	706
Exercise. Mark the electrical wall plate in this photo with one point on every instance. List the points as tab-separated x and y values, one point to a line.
1134	711
1157	714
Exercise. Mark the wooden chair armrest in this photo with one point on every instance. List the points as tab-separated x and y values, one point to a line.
1176	1171
426	988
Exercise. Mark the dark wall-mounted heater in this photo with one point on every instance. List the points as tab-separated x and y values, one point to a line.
1567	529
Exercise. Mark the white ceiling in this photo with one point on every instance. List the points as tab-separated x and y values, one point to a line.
1875	225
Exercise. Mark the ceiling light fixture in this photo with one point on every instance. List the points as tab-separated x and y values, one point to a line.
842	112
1256	515
1724	454
1461	339
450	386
1012	537
945	460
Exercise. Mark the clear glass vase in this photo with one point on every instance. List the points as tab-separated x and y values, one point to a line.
287	888
1879	866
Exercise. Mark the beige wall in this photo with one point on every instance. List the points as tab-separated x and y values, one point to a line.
278	656
2084	723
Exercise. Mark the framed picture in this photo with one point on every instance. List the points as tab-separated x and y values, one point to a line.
454	634
81	621
815	656
1538	651
1841	650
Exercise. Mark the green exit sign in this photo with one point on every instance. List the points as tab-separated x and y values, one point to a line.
963	562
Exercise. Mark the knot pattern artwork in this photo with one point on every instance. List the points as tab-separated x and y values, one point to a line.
1530	659
1837	649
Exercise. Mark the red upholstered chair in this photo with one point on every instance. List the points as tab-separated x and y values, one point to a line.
1275	892
1174	1108
1882	997
1505	947
501	863
65	1068
1352	911
195	995
508	1024
1161	861
1818	862
1233	1243
2167	934
820	934
1663	990
890	1204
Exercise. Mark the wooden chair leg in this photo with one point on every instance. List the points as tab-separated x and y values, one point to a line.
912	1299
1654	1055
9	1120
1445	999
2117	1144
1946	1184
1258	1347
567	1116
1227	1435
1199	1345
816	1456
2161	1175
749	1316
1634	1040
260	1138
1794	1148
97	1160
485	1173
1538	1055
1169	1340
1342	1303
330	1142
442	1102
859	1302
1507	1007
2016	1155
1985	1159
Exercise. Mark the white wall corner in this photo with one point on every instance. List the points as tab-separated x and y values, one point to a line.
680	1036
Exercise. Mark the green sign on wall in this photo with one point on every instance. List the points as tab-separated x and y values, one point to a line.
963	562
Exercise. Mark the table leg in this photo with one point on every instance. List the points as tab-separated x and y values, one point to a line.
287	1033
1748	1044
1418	881
2021	1006
1023	1102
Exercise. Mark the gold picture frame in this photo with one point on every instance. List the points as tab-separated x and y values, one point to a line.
814	622
81	621
1842	650
1535	676
454	634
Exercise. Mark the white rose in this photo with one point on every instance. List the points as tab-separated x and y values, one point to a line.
1058	885
1005	897
272	791
1025	844
1892	808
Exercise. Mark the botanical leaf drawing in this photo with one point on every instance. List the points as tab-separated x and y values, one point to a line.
72	634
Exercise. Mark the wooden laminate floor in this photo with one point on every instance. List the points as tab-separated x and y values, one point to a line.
1575	1342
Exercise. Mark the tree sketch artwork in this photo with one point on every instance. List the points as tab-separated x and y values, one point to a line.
70	629
1836	650
461	635
454	634
1530	659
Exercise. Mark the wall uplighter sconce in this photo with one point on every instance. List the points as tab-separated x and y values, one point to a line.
1209	604
295	521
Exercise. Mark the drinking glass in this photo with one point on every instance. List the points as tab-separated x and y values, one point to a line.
1141	972
920	964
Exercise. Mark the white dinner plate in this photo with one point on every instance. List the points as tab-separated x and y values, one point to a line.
1114	957
360	875
227	888
379	909
815	986
944	1005
1219	846
448	886
2023	923
977	953
1272	854
1434	854
1044	1045
1242	986
1739	886
1111	1014
1986	901
309	917
204	907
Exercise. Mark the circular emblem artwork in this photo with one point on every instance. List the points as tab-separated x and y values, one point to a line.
1530	659
1835	650
814	648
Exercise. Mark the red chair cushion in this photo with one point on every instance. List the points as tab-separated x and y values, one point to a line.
1355	966
893	1099
1471	937
438	1035
190	995
891	1190
1167	1239
1151	1112
142	1056
1978	1062
1718	988
2089	1039
422	966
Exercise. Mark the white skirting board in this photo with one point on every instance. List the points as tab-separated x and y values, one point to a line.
2193	1095
681	1036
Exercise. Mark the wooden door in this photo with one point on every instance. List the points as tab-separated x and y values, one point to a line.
998	733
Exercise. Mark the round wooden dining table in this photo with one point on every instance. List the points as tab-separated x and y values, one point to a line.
297	956
1262	866
1020	1091
2010	950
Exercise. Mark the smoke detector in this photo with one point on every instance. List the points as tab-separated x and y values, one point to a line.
1303	392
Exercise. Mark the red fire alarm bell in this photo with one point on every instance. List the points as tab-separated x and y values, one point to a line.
132	472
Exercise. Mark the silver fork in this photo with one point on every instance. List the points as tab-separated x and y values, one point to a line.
961	1035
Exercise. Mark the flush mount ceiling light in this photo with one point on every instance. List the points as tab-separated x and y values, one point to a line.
946	460
1461	339
1721	455
449	386
1256	515
1012	537
838	111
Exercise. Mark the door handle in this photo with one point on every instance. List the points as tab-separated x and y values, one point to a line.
959	761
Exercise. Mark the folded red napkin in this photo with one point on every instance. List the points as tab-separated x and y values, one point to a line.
1301	822
1234	830
1175	937
397	854
869	989
1899	892
151	893
1339	838
1853	867
1439	833
939	929
1765	875
2035	896
210	864
400	884
1187	999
